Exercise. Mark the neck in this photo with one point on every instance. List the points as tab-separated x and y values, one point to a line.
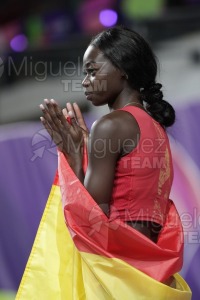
133	104
130	97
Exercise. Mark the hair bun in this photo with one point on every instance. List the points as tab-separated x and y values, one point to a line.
155	87
152	93
163	112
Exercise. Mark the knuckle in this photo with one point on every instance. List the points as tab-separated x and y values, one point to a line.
59	114
53	116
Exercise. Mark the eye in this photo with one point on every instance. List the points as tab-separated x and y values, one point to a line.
90	71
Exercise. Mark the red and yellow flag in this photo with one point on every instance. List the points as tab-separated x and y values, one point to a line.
94	259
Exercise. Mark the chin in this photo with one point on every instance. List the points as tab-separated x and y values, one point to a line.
99	104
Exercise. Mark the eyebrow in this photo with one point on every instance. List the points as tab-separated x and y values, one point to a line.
89	63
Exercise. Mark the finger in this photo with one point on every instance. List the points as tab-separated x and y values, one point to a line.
65	113
72	119
55	136
47	126
72	115
79	117
56	115
59	117
47	116
50	104
70	110
67	117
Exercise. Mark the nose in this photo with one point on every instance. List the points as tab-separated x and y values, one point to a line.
85	82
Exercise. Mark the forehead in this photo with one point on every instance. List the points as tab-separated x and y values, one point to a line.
93	55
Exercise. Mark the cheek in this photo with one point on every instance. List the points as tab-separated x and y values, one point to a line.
100	84
107	83
114	82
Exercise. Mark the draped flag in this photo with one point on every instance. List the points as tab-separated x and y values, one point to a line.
92	258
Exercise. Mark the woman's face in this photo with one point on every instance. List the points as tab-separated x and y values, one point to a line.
103	82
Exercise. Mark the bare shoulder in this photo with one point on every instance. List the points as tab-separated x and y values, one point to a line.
118	123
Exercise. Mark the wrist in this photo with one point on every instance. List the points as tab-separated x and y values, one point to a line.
75	162
78	171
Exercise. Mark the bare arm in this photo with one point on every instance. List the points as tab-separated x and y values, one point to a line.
103	154
114	135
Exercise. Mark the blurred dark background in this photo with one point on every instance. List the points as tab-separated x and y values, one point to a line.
42	41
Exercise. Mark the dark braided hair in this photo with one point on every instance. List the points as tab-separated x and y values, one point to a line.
158	108
129	52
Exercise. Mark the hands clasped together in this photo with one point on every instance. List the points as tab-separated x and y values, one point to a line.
67	129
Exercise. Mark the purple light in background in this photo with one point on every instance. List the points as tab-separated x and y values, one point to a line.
108	17
19	43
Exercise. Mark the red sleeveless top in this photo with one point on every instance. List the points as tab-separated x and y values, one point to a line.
143	178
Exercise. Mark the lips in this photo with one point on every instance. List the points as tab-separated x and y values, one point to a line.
88	95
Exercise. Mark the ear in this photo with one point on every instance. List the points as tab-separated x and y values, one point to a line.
125	76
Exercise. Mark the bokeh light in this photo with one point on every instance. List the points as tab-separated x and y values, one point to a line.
141	9
108	17
19	43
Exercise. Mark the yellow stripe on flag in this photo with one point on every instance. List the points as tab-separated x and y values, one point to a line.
50	270
56	270
115	279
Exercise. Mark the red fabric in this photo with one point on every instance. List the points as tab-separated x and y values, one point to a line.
93	232
143	178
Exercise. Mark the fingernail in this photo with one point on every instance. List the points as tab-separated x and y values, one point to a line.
41	106
42	119
53	101
71	114
46	101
